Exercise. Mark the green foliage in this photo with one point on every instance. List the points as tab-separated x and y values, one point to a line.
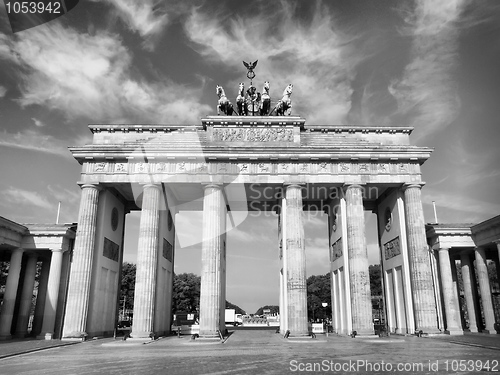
127	285
375	272
186	293
274	309
318	292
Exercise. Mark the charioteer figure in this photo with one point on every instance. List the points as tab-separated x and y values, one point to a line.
251	102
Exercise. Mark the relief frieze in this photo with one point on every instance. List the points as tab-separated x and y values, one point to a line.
392	248
253	167
336	250
252	135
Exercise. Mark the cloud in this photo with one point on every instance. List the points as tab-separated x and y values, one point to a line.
426	94
83	75
3	91
25	198
38	122
148	18
468	207
33	140
313	55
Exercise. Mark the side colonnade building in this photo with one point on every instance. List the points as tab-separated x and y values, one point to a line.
465	254
27	247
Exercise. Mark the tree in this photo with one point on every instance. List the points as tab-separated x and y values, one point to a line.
375	272
128	285
274	309
186	293
319	292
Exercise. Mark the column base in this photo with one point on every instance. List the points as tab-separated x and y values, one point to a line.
5	337
489	331
142	335
472	330
208	338
454	332
45	336
75	336
430	330
298	335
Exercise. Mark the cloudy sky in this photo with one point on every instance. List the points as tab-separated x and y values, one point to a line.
433	65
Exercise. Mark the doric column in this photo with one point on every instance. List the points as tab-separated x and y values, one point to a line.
296	262
359	278
498	260
484	288
214	228
451	306
9	298
147	263
75	322
23	315
420	271
470	291
49	315
40	298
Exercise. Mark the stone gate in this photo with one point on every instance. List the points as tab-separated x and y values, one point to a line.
230	165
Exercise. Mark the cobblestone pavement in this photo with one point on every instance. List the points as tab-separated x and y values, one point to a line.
264	352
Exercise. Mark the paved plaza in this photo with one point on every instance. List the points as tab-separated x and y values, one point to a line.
258	352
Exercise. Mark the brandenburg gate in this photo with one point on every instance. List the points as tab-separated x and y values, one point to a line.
217	166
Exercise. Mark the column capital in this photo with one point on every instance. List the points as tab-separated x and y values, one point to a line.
96	186
151	185
57	250
214	185
413	186
300	185
347	187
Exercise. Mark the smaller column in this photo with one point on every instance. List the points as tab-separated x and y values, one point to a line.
50	310
451	306
484	288
40	298
470	291
23	315
498	260
9	298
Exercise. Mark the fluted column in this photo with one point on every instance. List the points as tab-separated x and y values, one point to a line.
451	306
23	315
50	309
40	298
498	260
9	298
296	262
214	228
484	288
75	322
470	291
147	263
420	271
359	278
